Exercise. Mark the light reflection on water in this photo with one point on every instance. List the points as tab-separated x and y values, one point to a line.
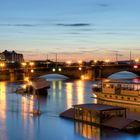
17	121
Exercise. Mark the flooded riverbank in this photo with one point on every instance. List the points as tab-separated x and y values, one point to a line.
17	121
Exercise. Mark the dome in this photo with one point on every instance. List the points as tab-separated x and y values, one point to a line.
54	77
123	75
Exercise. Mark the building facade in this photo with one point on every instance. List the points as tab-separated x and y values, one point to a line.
12	56
2	57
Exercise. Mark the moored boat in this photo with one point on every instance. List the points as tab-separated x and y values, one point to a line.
40	86
37	86
118	91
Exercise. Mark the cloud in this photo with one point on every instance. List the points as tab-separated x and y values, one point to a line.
74	24
22	25
104	5
22	51
111	33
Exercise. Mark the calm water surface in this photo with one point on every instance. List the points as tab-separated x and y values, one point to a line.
17	121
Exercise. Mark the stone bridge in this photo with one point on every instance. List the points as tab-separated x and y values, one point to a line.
94	72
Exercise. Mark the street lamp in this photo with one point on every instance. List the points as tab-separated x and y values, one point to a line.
31	64
2	65
107	60
79	62
69	63
24	64
53	69
59	69
137	60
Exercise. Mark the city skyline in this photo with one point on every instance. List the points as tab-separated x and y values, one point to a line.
75	30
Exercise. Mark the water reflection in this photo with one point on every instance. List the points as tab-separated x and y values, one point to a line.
69	91
16	121
87	131
56	88
3	105
80	91
27	105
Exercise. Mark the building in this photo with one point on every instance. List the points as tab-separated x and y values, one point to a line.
12	56
2	57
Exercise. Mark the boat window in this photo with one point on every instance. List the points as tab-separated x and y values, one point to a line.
128	98
122	97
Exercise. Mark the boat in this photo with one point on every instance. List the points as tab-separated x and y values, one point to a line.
102	115
118	91
40	86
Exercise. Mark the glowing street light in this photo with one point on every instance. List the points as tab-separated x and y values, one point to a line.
59	69
2	65
32	70
79	61
95	61
23	64
69	62
135	66
136	60
107	60
53	69
31	63
80	68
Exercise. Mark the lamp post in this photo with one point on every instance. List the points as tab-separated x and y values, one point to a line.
2	65
31	64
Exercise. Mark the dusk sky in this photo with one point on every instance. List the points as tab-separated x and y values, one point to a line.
74	29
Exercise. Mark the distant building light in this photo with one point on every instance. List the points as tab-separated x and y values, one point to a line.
137	60
26	79
95	61
80	61
69	62
107	60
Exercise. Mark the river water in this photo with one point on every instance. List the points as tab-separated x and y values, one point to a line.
17	121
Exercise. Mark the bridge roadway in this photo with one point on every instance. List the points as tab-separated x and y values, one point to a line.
93	72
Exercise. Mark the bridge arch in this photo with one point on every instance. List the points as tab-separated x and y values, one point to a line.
55	76
123	75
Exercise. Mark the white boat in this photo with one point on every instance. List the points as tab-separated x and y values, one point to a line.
118	91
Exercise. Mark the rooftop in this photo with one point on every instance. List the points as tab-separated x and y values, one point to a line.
98	107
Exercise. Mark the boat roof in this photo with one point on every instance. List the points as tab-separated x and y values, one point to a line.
40	83
98	107
121	81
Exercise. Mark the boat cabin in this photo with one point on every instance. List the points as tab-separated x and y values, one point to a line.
97	113
123	88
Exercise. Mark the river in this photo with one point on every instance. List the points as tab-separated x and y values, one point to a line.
17	121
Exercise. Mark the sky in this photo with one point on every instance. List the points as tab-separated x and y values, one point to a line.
74	29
